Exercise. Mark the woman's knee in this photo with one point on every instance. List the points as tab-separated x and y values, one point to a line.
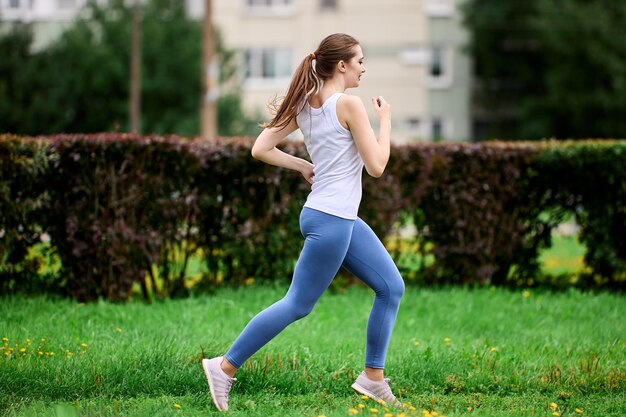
392	288
296	310
396	288
301	311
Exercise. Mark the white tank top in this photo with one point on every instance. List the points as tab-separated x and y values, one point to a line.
338	169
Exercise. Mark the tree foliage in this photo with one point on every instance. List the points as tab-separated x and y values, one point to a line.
549	68
16	86
80	82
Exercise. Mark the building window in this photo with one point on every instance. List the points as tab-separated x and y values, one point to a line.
415	55
441	128
67	4
414	127
413	123
436	129
328	5
270	7
436	63
440	67
439	8
268	63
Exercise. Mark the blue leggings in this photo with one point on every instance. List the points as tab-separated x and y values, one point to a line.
331	242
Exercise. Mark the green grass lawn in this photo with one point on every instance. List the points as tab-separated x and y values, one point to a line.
564	257
487	352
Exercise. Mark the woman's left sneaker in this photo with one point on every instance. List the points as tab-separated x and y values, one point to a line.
219	382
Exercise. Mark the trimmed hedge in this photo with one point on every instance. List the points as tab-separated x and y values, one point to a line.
120	208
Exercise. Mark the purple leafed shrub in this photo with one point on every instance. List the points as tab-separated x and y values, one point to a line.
125	211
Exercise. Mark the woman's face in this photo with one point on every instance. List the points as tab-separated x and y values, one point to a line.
355	68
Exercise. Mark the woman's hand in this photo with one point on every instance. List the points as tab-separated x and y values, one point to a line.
265	150
381	108
307	171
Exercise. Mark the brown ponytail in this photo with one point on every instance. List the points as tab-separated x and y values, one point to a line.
314	69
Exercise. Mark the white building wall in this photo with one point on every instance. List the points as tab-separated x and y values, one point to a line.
385	29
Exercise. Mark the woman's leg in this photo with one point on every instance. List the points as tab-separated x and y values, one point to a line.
369	260
326	242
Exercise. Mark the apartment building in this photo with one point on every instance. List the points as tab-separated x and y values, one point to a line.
413	51
413	54
48	17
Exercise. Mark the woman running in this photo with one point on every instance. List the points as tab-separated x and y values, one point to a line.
340	141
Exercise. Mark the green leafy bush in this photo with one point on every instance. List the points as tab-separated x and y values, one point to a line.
122	209
588	179
23	196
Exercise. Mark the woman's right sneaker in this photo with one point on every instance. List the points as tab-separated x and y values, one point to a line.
219	382
376	390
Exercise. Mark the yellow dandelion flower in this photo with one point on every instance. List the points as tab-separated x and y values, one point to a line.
493	349
361	405
249	281
526	294
118	330
321	415
365	397
381	402
412	408
6	353
5	339
434	413
401	415
373	410
40	353
579	411
83	345
177	406
388	415
22	350
353	411
446	339
417	343
556	414
469	409
27	340
43	339
554	406
51	353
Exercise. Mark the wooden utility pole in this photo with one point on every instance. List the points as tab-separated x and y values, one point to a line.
134	115
210	75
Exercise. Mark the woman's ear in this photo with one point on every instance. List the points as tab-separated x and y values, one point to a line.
341	66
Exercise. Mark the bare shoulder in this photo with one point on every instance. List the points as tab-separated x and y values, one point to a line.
348	107
350	102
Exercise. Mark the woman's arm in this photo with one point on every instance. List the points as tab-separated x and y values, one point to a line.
265	150
374	152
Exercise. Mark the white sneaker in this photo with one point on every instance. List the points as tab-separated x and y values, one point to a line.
219	382
376	390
